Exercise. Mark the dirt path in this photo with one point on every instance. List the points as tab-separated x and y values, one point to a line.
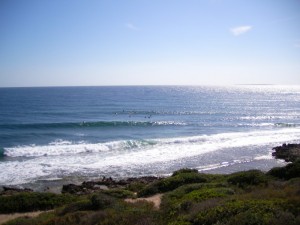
6	217
155	199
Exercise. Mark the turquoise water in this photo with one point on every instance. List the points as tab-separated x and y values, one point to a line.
57	132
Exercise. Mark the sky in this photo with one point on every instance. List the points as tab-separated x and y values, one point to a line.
149	42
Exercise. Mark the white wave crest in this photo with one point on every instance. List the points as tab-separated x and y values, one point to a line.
61	147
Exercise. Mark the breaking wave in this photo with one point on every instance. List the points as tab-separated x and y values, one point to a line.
61	147
189	145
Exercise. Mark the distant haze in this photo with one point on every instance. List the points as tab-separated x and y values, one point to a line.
170	42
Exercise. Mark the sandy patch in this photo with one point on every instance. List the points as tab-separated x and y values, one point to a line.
155	199
7	217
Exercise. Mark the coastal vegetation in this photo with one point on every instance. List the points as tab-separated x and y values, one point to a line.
188	198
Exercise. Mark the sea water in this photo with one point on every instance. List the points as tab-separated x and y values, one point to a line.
54	133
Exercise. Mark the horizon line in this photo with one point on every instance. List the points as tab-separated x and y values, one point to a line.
151	85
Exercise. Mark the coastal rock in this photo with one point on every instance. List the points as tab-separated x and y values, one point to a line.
111	183
73	189
288	152
144	180
88	187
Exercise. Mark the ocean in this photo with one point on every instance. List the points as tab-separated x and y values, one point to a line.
66	133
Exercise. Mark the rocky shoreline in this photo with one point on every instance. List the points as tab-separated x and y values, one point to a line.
89	187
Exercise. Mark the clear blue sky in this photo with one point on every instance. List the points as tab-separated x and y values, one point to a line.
149	42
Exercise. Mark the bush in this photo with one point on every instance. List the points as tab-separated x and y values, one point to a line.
139	213
136	186
279	172
26	202
68	219
207	193
290	171
173	182
184	170
184	199
119	193
100	201
184	189
41	219
82	205
251	177
240	212
195	193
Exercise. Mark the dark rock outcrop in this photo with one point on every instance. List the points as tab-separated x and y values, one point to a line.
88	187
73	189
288	152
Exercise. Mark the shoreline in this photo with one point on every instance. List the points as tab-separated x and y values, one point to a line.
282	154
56	185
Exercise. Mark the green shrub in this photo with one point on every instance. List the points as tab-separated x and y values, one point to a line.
100	201
240	212
194	193
274	217
184	170
251	177
180	202
185	189
207	193
136	186
279	172
41	219
68	219
173	182
117	213
119	193
291	170
26	202
179	192
179	223
82	205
